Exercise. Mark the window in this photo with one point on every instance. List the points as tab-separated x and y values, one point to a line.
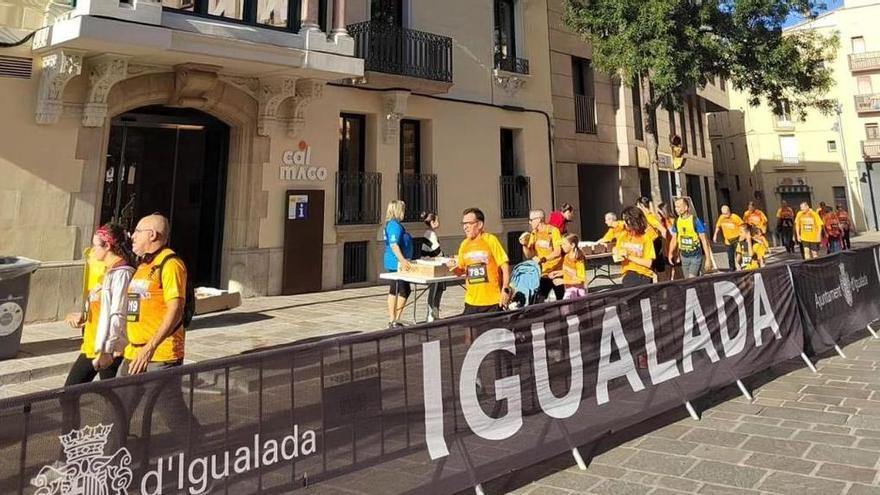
872	131
273	12
737	182
671	116
683	128
865	86
584	102
858	44
637	112
790	149
508	160
840	196
783	112
410	148
732	151
385	11
690	107
505	29
719	158
352	143
832	146
699	109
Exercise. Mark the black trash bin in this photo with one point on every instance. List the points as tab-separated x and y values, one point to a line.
15	279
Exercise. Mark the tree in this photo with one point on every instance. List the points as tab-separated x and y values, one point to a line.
669	47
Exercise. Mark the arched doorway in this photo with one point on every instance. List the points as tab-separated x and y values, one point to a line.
172	161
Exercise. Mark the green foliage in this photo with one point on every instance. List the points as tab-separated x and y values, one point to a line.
683	44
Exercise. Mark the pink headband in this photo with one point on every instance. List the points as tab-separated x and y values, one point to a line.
105	236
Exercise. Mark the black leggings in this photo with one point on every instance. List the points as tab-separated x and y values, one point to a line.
82	371
633	279
546	286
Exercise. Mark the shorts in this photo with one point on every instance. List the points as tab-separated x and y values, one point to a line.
470	309
400	288
692	266
812	246
574	293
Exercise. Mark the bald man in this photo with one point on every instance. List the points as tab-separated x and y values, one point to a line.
157	296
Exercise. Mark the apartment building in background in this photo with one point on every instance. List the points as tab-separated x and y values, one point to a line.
816	159
271	133
601	158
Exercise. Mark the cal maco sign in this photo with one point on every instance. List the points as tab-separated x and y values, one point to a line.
296	165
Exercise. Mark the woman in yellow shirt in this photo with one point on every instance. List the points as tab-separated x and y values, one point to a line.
574	268
635	249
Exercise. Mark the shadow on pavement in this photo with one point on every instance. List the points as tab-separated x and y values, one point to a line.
225	319
47	347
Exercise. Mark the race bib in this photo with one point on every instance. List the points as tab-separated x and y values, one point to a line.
746	260
808	227
543	244
134	308
687	242
477	273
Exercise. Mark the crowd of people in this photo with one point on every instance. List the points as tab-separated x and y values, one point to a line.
650	243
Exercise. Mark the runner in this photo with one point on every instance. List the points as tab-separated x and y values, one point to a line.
656	225
744	251
755	217
785	226
544	245
561	218
574	268
760	246
833	230
808	230
635	249
485	264
728	225
845	225
689	236
615	228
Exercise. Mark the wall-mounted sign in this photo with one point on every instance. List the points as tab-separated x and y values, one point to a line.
297	207
296	165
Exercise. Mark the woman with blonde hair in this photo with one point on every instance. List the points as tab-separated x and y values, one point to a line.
398	251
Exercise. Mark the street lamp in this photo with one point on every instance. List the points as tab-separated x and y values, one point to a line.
838	126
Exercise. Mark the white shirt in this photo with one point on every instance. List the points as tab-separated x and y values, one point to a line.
431	237
112	321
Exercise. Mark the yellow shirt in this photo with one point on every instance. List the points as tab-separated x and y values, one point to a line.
729	226
543	242
757	218
809	226
654	223
94	278
640	246
613	232
574	271
759	250
481	258
148	296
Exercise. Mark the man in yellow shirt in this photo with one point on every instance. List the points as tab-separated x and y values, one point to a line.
483	260
808	230
544	245
156	300
615	228
728	225
756	217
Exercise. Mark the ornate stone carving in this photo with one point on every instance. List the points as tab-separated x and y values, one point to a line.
509	82
249	85
273	91
393	108
58	68
104	72
307	91
141	69
193	83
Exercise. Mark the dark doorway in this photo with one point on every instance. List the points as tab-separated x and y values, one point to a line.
599	191
695	192
171	161
303	242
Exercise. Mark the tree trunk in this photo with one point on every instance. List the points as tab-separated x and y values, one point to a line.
651	139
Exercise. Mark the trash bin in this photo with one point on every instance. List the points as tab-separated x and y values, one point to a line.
15	279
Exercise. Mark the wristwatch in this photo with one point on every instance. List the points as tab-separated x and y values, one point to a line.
543	259
506	290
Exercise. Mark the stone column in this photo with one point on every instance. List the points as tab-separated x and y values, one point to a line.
309	16
339	18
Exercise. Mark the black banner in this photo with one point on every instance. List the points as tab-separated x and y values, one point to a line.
429	409
838	295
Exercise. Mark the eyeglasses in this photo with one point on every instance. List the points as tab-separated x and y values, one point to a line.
465	224
143	230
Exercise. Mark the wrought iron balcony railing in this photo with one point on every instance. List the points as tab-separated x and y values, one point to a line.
515	196
358	197
868	103
405	52
511	64
419	193
585	114
871	148
864	61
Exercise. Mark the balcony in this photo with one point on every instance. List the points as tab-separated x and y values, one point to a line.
868	103
398	57
871	149
515	196
585	115
864	61
789	161
783	123
359	198
419	192
511	64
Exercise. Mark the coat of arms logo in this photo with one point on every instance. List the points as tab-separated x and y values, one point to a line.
88	470
846	285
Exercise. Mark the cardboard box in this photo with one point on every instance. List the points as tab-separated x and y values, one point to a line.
428	268
210	300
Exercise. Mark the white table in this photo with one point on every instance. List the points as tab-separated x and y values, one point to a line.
418	280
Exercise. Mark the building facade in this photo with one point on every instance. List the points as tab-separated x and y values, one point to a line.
737	183
818	158
271	133
601	158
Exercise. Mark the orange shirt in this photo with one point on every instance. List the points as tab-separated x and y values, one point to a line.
757	218
640	246
843	218
148	295
481	258
614	231
729	226
785	212
544	242
574	271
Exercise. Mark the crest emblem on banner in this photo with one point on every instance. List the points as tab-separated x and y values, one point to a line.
88	470
845	285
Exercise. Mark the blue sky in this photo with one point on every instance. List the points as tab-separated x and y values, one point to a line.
830	5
